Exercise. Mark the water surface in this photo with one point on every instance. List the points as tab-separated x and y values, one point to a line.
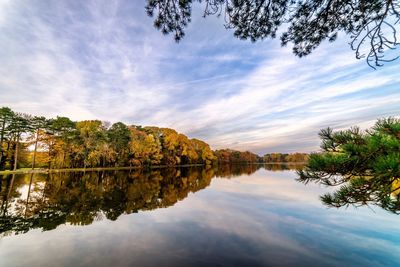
232	216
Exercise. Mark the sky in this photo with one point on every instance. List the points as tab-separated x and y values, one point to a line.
105	60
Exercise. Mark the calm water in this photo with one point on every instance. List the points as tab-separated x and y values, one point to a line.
234	216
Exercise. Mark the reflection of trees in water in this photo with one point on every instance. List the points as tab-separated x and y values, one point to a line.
284	166
81	198
234	170
357	191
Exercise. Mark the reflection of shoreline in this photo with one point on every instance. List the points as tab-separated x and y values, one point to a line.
287	166
234	170
46	171
289	163
98	169
79	198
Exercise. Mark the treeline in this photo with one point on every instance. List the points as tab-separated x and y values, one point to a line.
32	141
282	157
29	141
234	156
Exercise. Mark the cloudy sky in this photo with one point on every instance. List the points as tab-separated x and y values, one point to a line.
105	60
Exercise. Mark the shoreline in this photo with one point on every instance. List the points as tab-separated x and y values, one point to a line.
23	171
28	171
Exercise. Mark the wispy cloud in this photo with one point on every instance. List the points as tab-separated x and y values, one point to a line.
104	60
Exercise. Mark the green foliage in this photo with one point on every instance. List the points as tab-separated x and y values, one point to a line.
366	165
371	25
6	117
62	143
119	136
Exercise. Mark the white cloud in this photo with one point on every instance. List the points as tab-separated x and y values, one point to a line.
4	5
105	60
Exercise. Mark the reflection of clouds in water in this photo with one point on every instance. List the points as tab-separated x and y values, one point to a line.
271	185
264	219
336	235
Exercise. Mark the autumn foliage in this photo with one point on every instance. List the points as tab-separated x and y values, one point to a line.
234	156
31	141
283	157
63	143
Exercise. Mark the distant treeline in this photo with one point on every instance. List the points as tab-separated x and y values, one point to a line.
234	156
281	157
31	141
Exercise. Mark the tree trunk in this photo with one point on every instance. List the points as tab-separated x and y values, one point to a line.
4	159
11	186
63	161
16	153
34	152
49	157
29	192
4	210
1	140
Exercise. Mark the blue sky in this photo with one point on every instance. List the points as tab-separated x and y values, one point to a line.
105	60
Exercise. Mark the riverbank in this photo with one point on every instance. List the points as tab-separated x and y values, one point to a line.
27	171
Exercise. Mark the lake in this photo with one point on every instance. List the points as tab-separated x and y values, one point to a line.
254	215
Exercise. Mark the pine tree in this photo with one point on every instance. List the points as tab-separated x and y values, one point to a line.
365	165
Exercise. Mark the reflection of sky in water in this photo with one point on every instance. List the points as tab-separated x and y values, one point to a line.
263	219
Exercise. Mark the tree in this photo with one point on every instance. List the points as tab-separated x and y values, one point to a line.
19	125
204	152
37	124
91	133
6	115
145	148
186	150
119	137
365	164
60	134
170	146
371	25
